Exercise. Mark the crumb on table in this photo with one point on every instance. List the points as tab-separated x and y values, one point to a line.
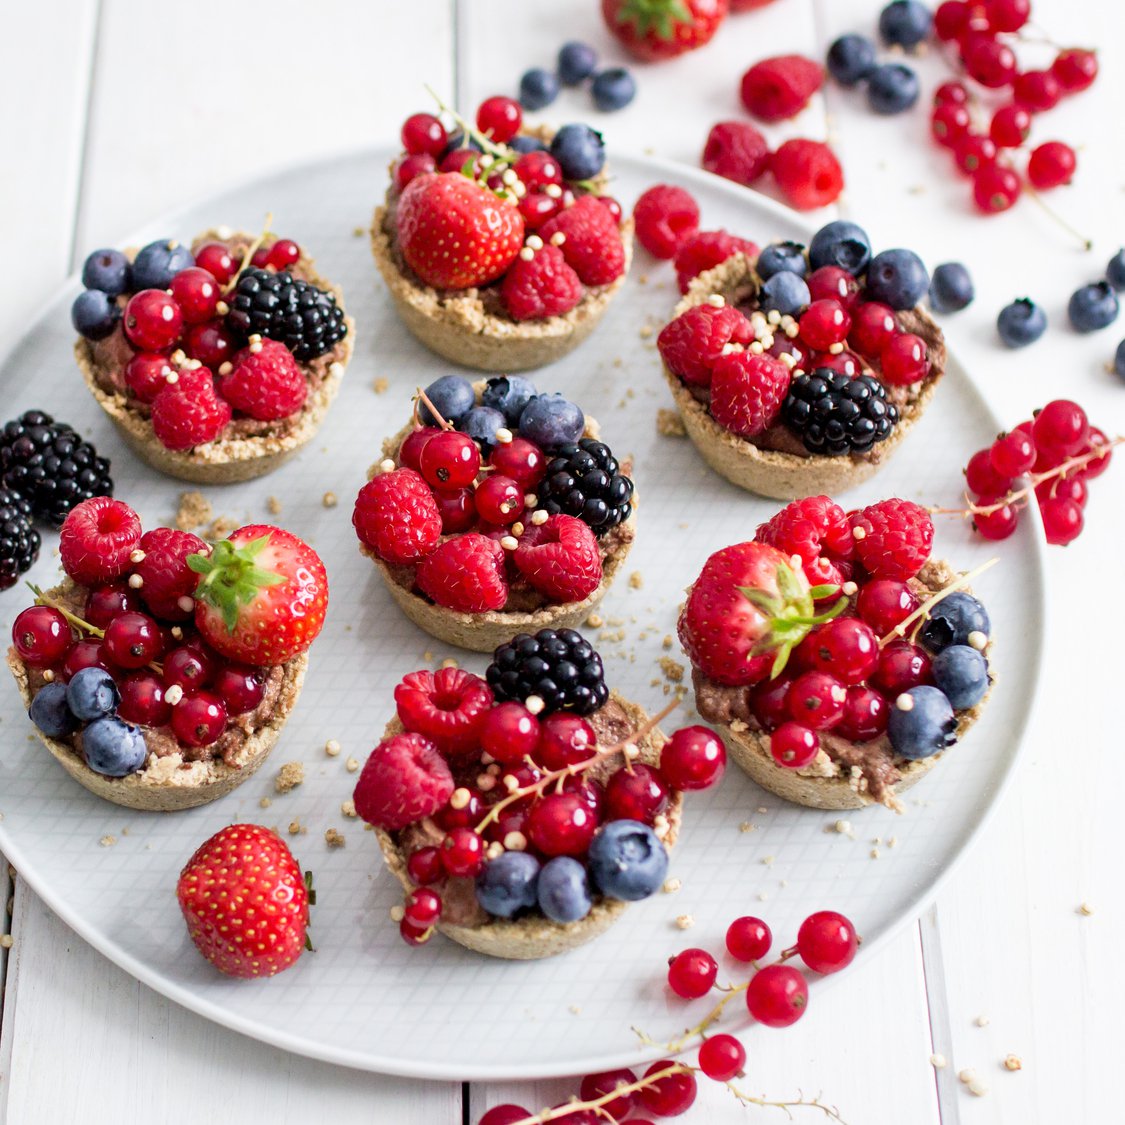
380	385
289	776
108	841
334	838
669	423
273	506
194	511
673	670
636	580
330	500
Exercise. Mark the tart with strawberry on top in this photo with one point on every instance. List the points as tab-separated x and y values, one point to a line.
837	658
802	370
500	248
161	671
216	362
523	811
496	511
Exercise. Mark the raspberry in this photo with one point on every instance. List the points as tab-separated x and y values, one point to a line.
540	286
447	706
592	246
737	151
397	516
560	559
466	574
691	344
404	780
747	391
777	88
808	174
664	216
706	249
164	573
893	538
809	527
188	412
96	539
266	384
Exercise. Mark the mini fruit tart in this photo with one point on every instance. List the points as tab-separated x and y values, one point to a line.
500	248
801	371
161	671
523	811
216	363
835	656
497	511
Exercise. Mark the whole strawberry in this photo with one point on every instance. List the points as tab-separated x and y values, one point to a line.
661	29
267	384
454	233
245	902
261	597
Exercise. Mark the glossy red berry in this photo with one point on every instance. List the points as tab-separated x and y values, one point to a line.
831	283
189	666
83	654
450	460
997	524
499	119
199	718
506	1114
521	460
901	666
722	1057
1038	90
949	122
670	1095
210	343
768	702
995	188
424	866
903	360
748	939
1075	69
132	640
972	152
1096	465
693	758
422	908
981	477
510	733
142	700
1068	488
950	18
197	294
1051	164
1012	455
462	852
1007	15
777	995
146	375
410	167
865	715
884	602
410	451
217	260
464	815
240	688
873	326
827	942
284	254
499	499
561	824
845	647
824	323
152	320
414	935
794	746
641	795
537	207
538	169
816	700
1061	427
846	363
692	973
565	739
1010	126
595	1086
951	93
423	133
457	510
1062	520
104	603
991	62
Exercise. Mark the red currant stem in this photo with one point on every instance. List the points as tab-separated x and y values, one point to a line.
1087	243
1041	38
712	1017
800	1102
500	152
422	397
248	257
921	612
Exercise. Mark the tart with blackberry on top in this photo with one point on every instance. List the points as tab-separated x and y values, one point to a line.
523	811
801	371
500	248
161	671
496	511
837	658
218	362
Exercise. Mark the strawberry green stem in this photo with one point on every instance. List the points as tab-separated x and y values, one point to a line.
230	577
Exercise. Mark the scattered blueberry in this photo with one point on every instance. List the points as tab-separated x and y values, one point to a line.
564	890
452	396
1115	271
962	673
928	726
951	288
627	860
107	270
577	61
1092	307
1021	323
778	256
851	58
551	420
897	278
579	150
92	694
784	291
1119	361
892	88
613	89
50	713
524	142
94	314
113	747
481	424
840	244
157	263
905	23
508	883
538	88
509	394
952	620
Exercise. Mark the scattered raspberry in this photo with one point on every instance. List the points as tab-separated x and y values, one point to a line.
560	559
592	246
737	151
189	412
267	384
447	706
777	88
706	249
691	344
96	539
747	391
540	286
809	528
164	573
404	780
808	174
894	538
663	217
466	574
397	516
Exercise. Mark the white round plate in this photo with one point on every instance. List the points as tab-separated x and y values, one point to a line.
364	998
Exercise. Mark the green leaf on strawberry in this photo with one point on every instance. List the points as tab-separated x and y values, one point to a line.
230	577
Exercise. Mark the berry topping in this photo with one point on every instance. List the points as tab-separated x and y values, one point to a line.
153	320
691	344
551	421
41	636
559	668
19	541
448	707
664	216
747	392
921	722
167	582
397	517
808	173
108	271
564	893
94	314
843	244
591	242
780	87
266	382
540	285
188	412
736	151
694	758
465	574
627	860
583	480
157	264
961	671
893	538
836	415
294	312
560	558
112	747
96	540
508	884
705	249
404	780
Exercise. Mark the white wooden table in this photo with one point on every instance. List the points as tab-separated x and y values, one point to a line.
116	110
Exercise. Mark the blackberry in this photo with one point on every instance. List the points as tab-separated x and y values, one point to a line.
560	667
582	480
296	313
50	466
834	414
19	541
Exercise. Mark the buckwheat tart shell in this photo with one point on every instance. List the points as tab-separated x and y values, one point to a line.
228	460
531	939
169	784
768	472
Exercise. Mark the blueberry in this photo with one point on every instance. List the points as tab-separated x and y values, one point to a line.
538	88
509	394
1119	361
897	278
1021	323
905	23
94	314
1115	271
50	713
157	263
522	142
951	288
92	694
627	860
851	58
453	397
613	89
840	244
952	620
892	88
579	150
107	270
962	673
928	726
564	890
778	256
507	883
113	747
576	62
786	292
481	424
551	420
1092	307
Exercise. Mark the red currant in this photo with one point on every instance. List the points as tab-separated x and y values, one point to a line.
692	973
463	160
506	1114
510	732
981	477
1007	15
411	167
538	169
423	908
199	718
1062	520
824	323
565	739
693	758
951	93
973	152
1012	455
587	790
512	819
450	460
1096	465
722	1057
794	746
84	654
462	853
210	343
641	795
424	133
424	866
197	294
561	824
883	603
846	363
903	360
457	509
873	326
865	715
816	700
411	449
132	640
1038	90
413	935
537	207
949	122
1010	126
950	18
831	283
146	375
284	254
240	688
499	118
777	995
845	647
464	816
670	1095
827	942
995	188
104	603
768	702
521	460
1067	488
748	939
998	524
217	260
1051	165
499	499
1061	427
142	700
1075	69
595	1086
153	321
189	666
991	62
901	666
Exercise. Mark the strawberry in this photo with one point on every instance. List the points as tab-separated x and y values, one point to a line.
661	29
454	233
261	597
246	902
